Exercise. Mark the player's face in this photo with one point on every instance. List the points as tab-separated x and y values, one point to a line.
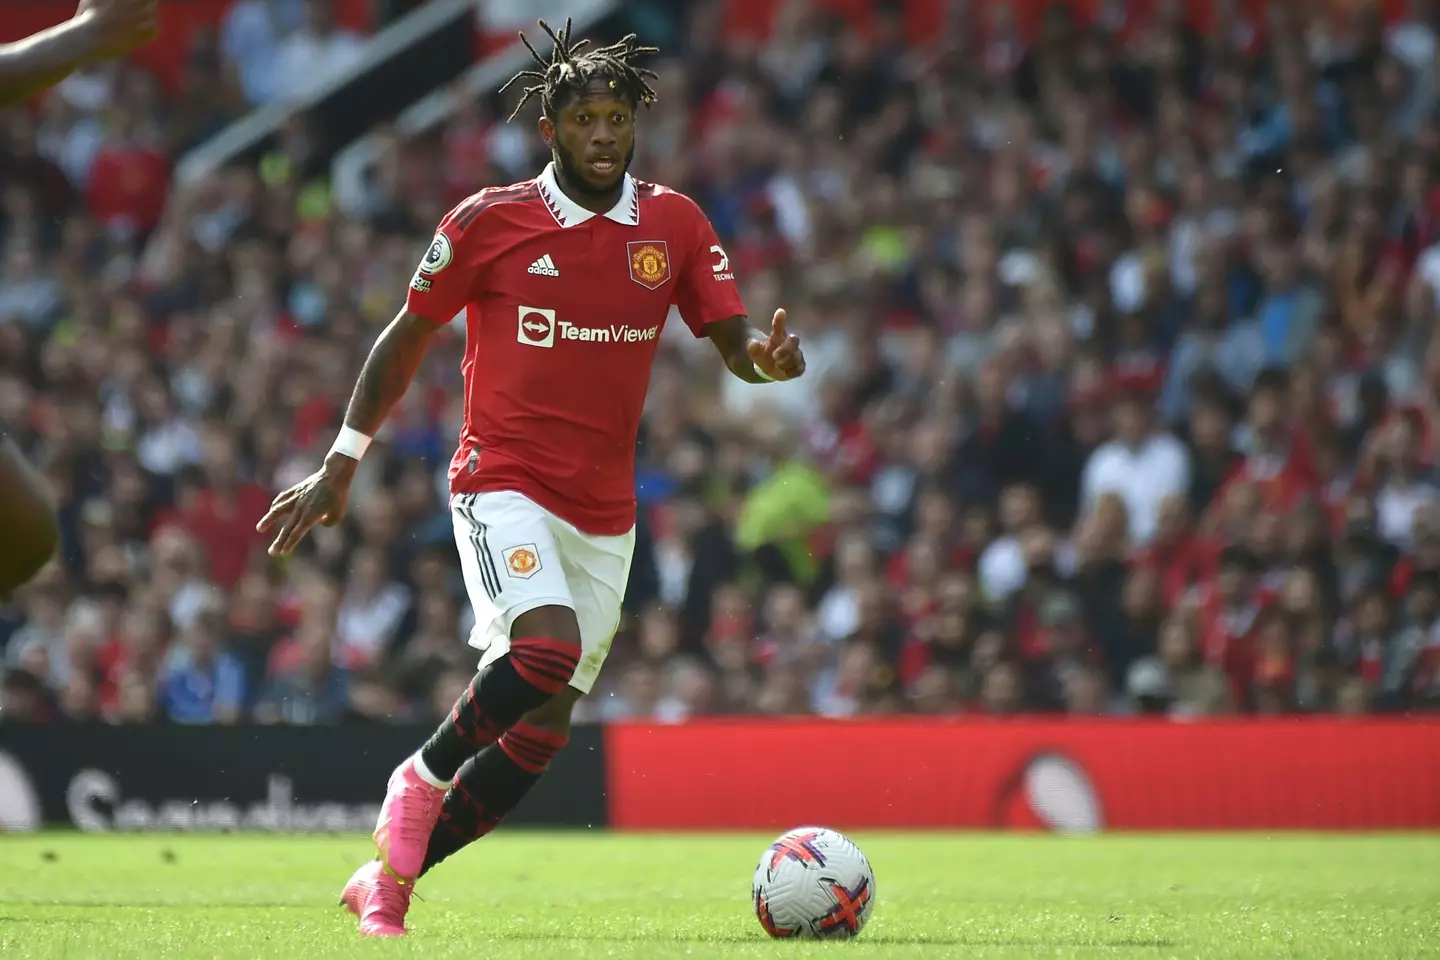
594	141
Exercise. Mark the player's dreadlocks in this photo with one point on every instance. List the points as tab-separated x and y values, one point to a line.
568	71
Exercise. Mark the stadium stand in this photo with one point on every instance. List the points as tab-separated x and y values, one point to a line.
1123	385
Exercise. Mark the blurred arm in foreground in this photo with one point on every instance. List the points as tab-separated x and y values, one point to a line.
99	29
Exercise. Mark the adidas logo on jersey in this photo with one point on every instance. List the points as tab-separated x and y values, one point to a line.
544	267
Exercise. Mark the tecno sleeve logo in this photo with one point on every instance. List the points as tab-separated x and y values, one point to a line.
536	327
19	806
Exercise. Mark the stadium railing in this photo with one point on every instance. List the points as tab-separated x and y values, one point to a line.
426	48
351	163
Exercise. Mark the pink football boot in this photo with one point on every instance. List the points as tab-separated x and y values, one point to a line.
402	835
378	899
352	898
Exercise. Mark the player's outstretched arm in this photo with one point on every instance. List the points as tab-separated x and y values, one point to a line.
29	529
388	370
323	496
754	356
99	29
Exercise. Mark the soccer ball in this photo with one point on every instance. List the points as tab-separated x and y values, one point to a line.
813	883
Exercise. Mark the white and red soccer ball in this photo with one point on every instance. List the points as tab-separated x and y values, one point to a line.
813	883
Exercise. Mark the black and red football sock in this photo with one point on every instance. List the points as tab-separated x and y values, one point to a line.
489	786
533	671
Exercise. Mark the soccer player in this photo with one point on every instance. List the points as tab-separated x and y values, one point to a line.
565	281
29	529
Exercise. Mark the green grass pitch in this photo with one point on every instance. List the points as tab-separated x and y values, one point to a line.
563	895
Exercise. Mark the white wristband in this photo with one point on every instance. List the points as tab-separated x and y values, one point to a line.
762	374
350	443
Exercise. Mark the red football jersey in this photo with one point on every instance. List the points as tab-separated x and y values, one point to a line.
563	312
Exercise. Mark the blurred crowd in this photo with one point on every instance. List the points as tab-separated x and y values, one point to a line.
1123	384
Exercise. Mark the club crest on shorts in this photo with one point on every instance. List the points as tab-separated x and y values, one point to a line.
649	262
522	562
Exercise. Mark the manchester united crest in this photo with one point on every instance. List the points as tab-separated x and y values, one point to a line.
649	263
523	561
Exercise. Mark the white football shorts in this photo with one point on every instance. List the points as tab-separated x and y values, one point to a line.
517	556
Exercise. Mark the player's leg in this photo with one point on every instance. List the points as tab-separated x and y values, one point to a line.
530	643
543	652
489	785
494	782
29	530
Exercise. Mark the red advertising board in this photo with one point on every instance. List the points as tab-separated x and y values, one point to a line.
1322	774
180	21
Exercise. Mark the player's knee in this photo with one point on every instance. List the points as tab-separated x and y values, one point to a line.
545	647
552	621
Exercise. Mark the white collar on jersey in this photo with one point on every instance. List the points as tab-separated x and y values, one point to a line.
568	213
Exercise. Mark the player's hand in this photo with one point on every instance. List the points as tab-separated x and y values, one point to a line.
121	25
320	498
778	356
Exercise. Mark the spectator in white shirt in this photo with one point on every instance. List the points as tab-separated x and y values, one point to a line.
1002	565
248	44
1407	484
369	613
1142	465
315	54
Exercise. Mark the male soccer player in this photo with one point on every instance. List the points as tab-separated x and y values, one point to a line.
566	281
29	530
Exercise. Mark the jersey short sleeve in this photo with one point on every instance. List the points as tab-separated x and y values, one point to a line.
707	291
444	281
